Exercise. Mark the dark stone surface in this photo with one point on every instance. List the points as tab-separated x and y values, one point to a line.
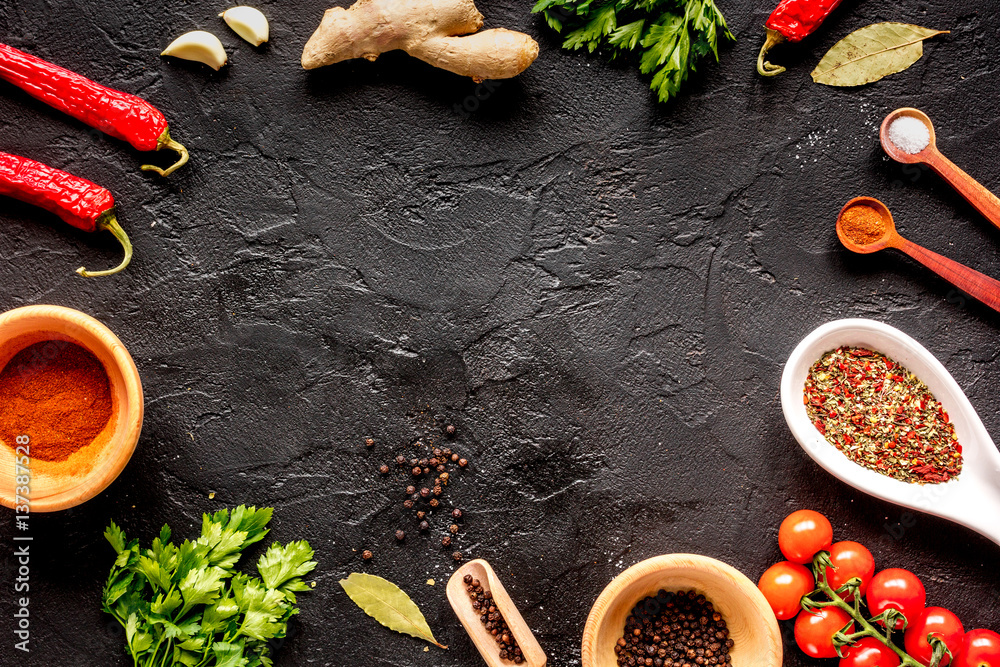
599	291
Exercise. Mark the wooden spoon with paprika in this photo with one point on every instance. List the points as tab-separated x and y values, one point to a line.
865	226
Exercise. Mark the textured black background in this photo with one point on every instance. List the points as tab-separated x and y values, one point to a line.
599	290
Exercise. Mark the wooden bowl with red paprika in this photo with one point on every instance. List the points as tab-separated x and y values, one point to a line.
71	408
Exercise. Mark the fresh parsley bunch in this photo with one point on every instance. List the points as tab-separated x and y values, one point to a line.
673	34
187	605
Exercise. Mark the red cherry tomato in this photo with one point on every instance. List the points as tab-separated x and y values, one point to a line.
814	630
933	621
899	589
850	560
869	652
802	534
980	648
783	585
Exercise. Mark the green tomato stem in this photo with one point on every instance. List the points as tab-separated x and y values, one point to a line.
820	562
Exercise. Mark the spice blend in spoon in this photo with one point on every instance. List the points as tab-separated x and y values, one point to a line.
881	416
674	630
58	394
863	224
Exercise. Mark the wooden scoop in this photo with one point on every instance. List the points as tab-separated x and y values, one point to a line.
982	199
971	282
533	654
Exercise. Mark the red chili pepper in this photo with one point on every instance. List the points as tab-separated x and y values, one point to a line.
77	201
792	21
119	114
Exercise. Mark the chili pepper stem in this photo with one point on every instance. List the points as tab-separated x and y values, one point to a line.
166	141
764	68
109	223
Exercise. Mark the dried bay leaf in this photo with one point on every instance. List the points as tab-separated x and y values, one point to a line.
389	605
873	52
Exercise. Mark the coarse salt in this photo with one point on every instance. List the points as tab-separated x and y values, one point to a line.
909	135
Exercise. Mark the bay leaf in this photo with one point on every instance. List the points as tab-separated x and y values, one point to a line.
389	605
873	52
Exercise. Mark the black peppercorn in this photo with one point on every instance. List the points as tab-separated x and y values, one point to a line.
424	526
453	528
410	490
437	491
384	469
422	463
444	477
433	462
450	430
456	513
446	541
400	535
417	471
467	579
454	458
457	556
369	442
425	492
366	554
401	460
434	502
446	452
421	514
463	462
408	504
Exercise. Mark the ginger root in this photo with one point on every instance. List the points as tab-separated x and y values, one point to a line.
438	32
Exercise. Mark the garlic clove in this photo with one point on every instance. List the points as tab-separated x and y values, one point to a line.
199	46
248	23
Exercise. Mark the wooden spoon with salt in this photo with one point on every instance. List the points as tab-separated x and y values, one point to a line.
971	282
982	199
458	596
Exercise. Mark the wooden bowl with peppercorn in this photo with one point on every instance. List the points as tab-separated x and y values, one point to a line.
71	408
734	623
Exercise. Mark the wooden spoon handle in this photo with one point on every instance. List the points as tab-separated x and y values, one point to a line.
985	201
971	282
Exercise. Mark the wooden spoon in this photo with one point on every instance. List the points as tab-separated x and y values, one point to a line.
982	199
971	282
533	654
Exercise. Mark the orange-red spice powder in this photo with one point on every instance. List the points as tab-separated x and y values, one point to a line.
863	224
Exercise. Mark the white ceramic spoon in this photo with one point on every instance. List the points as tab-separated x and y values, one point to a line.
972	499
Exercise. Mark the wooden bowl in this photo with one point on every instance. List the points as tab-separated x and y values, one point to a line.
57	485
752	625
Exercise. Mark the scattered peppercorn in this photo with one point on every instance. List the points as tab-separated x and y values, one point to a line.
424	526
457	556
366	554
463	462
446	541
492	619
416	471
456	513
401	460
410	490
450	430
453	528
434	502
408	504
674	629
400	535
425	492
437	490
454	458
384	469
369	442
421	514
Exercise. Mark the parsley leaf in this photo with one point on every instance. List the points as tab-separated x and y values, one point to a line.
672	35
186	604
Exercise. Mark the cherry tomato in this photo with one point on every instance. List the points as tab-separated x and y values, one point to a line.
850	560
896	588
933	621
980	648
783	585
814	630
869	652
802	534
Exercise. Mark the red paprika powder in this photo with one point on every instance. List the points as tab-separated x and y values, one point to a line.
58	394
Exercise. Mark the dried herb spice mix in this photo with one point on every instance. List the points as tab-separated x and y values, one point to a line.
881	416
674	630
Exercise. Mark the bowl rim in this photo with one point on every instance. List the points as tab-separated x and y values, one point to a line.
100	478
764	614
